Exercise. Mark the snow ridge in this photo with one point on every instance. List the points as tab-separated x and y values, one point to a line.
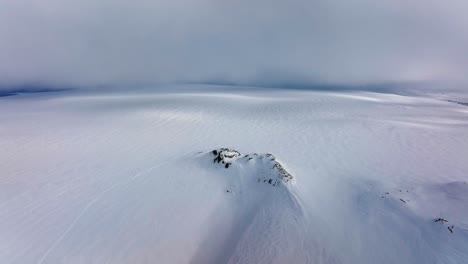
267	162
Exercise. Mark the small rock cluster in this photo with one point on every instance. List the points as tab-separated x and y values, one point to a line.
436	220
442	220
400	191
224	154
284	175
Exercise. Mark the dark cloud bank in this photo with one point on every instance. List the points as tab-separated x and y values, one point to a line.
86	43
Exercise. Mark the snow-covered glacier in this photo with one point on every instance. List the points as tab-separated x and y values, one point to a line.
218	174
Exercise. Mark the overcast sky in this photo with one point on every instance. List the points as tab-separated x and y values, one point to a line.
96	42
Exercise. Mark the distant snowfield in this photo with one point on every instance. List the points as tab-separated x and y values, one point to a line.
128	177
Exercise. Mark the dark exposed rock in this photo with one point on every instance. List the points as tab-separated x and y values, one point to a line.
450	228
217	159
442	220
225	153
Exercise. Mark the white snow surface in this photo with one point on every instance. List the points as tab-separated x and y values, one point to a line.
128	177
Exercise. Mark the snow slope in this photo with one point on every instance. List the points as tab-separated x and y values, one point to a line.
128	177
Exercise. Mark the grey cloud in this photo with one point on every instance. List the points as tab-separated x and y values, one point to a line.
89	42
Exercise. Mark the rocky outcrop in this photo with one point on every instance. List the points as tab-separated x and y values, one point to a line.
265	162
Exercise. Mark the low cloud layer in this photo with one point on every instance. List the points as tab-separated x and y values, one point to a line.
111	42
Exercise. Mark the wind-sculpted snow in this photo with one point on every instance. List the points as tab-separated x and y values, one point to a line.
266	212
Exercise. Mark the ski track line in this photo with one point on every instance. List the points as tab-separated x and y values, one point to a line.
90	204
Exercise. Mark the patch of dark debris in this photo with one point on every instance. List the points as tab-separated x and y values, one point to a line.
457	102
399	194
233	190
442	221
436	220
400	191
